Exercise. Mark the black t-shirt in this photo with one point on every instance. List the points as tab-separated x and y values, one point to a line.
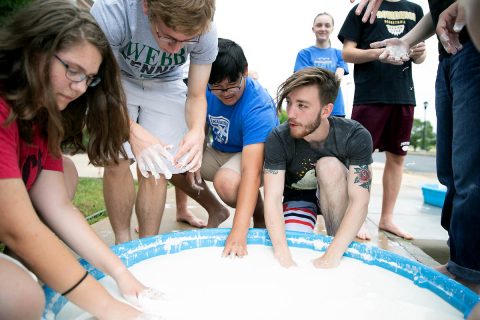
347	140
436	8
377	82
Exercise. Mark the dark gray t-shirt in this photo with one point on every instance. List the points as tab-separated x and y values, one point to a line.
347	140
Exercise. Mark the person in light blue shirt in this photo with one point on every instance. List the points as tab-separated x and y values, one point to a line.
322	55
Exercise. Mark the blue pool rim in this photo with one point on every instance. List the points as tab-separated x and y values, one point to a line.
455	294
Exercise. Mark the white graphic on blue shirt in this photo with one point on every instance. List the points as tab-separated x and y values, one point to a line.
324	62
220	126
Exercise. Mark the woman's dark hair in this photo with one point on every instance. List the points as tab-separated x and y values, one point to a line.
230	62
28	42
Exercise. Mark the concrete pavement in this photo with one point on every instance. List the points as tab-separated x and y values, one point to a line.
422	220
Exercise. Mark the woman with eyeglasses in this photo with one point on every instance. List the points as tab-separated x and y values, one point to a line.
58	75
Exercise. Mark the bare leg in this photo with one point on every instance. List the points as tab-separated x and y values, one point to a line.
332	181
150	204
183	214
392	179
70	175
119	195
21	297
217	212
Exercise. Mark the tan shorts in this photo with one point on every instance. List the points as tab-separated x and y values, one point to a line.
214	160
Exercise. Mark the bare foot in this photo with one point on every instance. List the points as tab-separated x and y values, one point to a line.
188	217
394	229
214	220
443	270
475	287
363	233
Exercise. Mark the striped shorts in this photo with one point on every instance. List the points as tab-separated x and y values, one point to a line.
300	215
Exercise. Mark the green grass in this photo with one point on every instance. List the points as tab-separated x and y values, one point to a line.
89	196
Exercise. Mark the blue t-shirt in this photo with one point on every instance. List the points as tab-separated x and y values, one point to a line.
249	121
326	58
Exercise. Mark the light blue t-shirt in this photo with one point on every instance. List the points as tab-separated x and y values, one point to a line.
128	31
249	121
326	58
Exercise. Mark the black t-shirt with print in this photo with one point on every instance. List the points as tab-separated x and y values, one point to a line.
377	82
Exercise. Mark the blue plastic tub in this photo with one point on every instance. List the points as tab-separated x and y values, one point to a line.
434	194
136	251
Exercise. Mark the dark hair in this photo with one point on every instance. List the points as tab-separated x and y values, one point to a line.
230	62
326	82
27	43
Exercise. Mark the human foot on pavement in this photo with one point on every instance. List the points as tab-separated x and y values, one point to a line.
220	216
394	229
363	233
475	287
188	217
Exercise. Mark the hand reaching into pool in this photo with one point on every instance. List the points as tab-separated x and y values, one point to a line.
235	246
135	292
326	262
285	258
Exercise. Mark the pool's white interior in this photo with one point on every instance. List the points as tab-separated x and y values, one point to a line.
199	285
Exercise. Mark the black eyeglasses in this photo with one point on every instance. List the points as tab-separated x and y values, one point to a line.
171	41
231	90
78	76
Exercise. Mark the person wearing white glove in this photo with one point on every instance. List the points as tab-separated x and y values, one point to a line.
152	42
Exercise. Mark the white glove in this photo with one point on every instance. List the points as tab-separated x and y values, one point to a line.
151	160
151	302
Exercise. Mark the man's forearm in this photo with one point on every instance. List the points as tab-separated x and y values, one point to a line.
196	113
423	30
358	56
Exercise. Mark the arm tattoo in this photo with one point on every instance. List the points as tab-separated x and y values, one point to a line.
270	171
363	176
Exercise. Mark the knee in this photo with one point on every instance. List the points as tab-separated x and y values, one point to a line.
118	170
392	159
330	170
20	297
226	185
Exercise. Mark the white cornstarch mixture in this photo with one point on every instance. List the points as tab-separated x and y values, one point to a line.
199	284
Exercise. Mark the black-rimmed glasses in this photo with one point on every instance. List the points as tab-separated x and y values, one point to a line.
171	41
78	76
231	90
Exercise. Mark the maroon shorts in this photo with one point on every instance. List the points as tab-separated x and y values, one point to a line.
389	124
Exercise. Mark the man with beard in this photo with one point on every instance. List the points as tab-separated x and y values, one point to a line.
319	164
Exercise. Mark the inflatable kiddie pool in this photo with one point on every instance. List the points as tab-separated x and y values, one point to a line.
167	246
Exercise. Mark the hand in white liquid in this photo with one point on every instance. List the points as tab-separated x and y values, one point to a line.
396	51
151	160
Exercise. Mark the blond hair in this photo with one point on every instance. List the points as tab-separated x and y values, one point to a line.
191	17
